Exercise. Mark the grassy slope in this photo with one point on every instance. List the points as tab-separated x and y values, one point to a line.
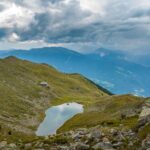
107	110
23	100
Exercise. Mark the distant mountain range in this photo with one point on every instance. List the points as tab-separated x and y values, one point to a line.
107	68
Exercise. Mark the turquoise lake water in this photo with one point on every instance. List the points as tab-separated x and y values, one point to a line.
56	116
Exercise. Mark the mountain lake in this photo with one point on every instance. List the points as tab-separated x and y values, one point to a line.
56	116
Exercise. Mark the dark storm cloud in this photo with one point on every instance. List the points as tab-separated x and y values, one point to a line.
113	23
141	12
62	25
3	33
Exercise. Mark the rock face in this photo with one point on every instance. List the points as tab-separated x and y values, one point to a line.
145	112
144	117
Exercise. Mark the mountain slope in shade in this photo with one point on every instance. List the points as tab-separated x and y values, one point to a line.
144	60
120	74
104	67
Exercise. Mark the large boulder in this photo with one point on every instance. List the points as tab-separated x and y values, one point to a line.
145	112
81	146
144	117
95	135
103	146
146	143
3	144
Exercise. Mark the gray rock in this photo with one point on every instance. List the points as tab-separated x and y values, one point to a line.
46	145
13	145
145	112
103	146
38	149
64	148
114	132
40	145
106	140
96	134
77	136
37	144
128	113
117	144
81	146
52	148
3	144
28	146
146	142
130	143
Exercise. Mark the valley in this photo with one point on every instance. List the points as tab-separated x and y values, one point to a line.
27	89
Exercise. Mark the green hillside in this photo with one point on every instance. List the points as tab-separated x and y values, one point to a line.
27	89
108	111
23	100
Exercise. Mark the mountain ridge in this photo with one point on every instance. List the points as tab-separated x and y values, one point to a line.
110	72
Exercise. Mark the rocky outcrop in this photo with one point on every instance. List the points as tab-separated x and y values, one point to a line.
144	116
5	146
84	139
146	143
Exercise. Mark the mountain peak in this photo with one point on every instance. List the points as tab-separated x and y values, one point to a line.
10	58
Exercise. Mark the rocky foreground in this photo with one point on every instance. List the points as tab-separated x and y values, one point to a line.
85	139
95	138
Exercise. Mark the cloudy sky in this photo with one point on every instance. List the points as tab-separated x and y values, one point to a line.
78	24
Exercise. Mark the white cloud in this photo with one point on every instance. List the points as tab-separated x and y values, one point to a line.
95	6
7	45
114	24
13	37
15	16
